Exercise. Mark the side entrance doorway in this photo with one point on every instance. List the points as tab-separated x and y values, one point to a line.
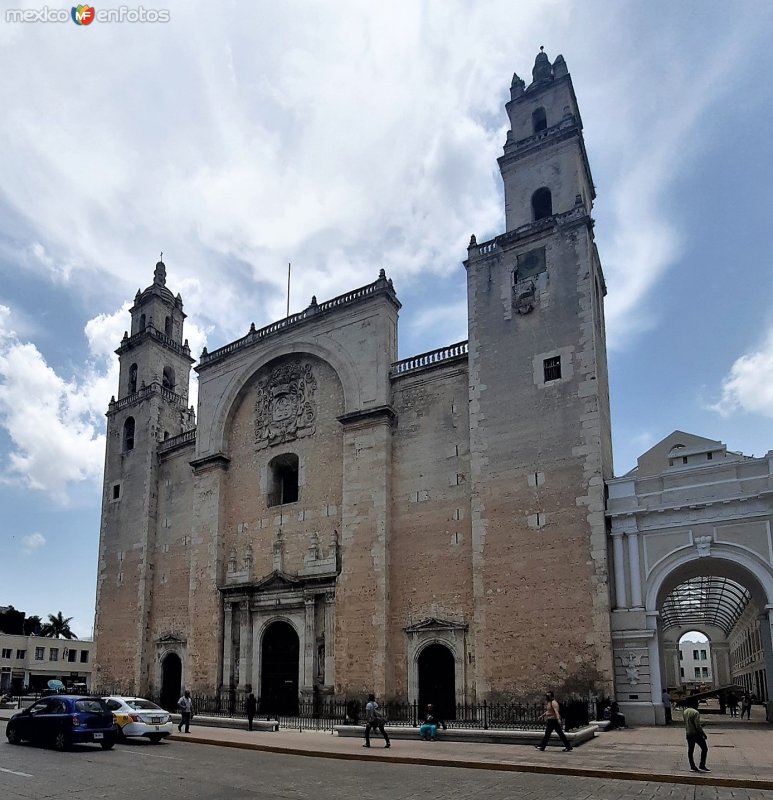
171	681
436	681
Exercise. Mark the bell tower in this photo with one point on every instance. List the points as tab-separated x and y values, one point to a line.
152	406
540	441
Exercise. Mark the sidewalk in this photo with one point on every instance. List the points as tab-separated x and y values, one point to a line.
739	752
739	756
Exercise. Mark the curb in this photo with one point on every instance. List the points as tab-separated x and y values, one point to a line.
539	769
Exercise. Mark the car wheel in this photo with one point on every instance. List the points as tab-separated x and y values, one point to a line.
155	738
107	744
61	741
13	735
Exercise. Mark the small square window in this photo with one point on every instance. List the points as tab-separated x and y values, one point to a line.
84	656
709	456
684	459
552	368
53	654
21	655
6	652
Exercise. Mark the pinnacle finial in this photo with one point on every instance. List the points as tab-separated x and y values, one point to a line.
159	277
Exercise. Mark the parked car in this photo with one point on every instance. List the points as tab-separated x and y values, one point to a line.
135	716
64	720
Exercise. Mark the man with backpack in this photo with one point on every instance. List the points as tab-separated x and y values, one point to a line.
374	721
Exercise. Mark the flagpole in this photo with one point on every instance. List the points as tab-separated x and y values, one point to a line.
288	289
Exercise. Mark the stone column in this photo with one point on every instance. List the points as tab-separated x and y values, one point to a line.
720	663
634	568
330	634
309	645
245	645
766	635
227	679
618	553
656	682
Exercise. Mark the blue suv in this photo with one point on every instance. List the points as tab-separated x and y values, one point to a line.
61	721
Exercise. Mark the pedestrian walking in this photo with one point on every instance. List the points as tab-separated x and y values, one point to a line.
746	705
695	734
552	717
185	704
732	704
251	707
374	721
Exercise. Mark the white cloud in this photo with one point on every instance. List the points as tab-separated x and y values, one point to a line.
32	542
55	425
749	384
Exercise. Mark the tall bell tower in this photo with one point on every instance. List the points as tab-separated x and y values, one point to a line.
152	406
540	441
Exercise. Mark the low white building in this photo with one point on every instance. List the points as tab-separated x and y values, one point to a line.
695	664
31	661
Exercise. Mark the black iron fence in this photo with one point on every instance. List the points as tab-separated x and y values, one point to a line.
324	713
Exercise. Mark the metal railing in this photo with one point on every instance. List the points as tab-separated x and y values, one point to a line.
325	713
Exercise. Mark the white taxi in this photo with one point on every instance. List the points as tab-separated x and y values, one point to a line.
137	717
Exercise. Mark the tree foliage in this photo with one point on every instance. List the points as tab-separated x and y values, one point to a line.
57	627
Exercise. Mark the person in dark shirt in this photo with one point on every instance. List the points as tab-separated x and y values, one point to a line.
430	724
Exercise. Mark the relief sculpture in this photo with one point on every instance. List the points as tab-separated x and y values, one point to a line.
285	407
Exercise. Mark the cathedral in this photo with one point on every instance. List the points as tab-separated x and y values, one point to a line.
332	520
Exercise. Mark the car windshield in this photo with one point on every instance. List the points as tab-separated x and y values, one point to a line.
94	706
142	705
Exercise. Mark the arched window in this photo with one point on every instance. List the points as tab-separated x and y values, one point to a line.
168	326
132	379
128	435
542	203
142	322
167	380
282	480
539	120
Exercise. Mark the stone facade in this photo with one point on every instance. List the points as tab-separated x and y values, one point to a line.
340	522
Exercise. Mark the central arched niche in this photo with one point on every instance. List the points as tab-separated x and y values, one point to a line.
285	417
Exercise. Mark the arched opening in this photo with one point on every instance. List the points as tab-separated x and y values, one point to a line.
283	480
712	623
539	120
437	683
542	204
168	326
279	670
168	378
171	681
128	434
132	379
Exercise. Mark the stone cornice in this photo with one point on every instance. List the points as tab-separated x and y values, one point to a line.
368	416
207	463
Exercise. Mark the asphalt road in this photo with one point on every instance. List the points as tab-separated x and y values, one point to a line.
177	770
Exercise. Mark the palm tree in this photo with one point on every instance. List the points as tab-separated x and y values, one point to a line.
57	626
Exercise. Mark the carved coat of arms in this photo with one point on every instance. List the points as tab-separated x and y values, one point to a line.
285	408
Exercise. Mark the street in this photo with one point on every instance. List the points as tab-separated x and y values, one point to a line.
175	770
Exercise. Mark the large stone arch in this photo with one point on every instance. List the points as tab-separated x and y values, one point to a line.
725	560
213	425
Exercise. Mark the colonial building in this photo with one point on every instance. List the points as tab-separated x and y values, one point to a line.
692	550
334	520
29	662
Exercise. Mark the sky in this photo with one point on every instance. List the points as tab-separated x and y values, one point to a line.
346	137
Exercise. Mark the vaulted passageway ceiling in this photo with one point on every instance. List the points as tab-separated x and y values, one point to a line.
705	600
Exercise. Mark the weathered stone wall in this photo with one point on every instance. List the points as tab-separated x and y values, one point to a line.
430	544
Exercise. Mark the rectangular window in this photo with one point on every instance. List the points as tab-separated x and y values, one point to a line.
53	654
697	672
6	653
709	456
84	656
72	655
694	655
39	653
116	491
705	672
681	656
684	459
681	672
703	655
21	655
552	368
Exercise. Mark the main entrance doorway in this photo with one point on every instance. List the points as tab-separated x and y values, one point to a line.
279	670
436	681
171	681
